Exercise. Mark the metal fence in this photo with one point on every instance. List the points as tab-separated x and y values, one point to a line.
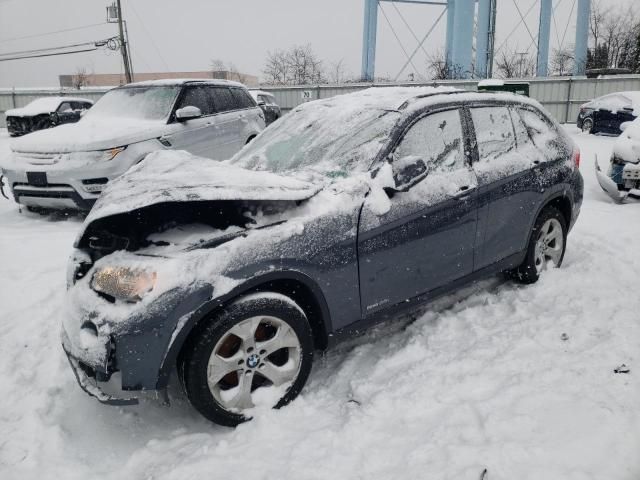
561	96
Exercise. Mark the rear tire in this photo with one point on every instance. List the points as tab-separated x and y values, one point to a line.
259	341
547	244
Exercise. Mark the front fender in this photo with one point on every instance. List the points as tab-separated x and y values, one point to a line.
199	312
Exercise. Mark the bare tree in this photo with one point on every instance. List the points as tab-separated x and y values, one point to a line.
304	65
228	70
297	66
276	69
562	61
337	72
515	64
439	69
218	65
80	78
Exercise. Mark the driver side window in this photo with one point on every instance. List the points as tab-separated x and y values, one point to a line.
436	140
198	96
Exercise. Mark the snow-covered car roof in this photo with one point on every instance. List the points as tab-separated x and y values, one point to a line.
183	81
43	105
618	100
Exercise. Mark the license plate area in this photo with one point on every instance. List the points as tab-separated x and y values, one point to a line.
37	179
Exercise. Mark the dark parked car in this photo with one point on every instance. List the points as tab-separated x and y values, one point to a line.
605	114
45	112
342	214
267	102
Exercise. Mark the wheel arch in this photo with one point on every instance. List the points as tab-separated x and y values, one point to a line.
562	200
296	285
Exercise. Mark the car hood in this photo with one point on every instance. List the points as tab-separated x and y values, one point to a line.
90	134
177	176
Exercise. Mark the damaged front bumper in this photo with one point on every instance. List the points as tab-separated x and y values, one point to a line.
114	349
87	379
629	173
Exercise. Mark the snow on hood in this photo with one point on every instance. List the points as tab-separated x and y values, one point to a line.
178	176
99	133
41	106
627	146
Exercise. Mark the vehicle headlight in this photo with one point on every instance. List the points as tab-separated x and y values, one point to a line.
110	154
123	283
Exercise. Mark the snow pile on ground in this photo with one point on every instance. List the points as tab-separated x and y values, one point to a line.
517	380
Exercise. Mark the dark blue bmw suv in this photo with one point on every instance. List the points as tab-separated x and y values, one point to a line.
343	214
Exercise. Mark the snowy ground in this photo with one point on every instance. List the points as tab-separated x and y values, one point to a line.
517	380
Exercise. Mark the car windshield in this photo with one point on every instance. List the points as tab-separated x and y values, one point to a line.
144	103
328	138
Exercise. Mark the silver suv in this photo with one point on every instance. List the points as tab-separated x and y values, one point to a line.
67	167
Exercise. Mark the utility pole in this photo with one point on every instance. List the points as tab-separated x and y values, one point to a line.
124	47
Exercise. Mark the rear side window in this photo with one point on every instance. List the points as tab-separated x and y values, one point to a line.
224	99
494	132
242	98
198	96
436	139
539	130
543	134
65	107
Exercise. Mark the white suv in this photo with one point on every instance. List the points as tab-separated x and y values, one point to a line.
67	167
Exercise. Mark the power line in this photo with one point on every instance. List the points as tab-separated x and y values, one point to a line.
51	33
49	49
149	36
47	54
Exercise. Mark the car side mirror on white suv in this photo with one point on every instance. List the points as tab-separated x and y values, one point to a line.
187	113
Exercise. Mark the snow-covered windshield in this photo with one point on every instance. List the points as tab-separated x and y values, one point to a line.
332	138
144	103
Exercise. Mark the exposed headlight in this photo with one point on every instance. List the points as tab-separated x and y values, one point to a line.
110	154
123	283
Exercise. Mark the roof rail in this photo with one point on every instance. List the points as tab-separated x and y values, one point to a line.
433	94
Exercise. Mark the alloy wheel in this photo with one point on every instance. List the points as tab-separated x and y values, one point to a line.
257	352
549	245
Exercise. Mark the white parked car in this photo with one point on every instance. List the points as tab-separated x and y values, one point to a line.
67	167
622	179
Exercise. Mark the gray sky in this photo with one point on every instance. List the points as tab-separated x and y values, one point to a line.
189	33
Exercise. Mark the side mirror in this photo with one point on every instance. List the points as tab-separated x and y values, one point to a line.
624	125
262	103
187	113
408	171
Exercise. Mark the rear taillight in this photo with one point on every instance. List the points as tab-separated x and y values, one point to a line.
576	157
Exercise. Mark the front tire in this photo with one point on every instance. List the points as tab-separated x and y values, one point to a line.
587	125
258	341
547	245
